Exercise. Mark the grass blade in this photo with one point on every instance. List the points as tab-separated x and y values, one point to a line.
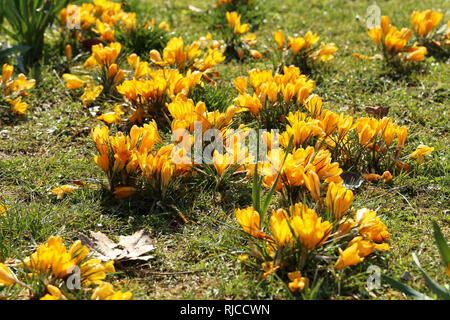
268	197
442	244
433	285
404	288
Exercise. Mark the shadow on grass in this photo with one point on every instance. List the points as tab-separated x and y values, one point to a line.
179	206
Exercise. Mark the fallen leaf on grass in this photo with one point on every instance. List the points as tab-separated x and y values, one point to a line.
129	248
378	111
136	246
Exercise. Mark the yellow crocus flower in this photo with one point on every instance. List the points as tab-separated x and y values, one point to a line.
73	82
61	191
310	39
68	52
375	33
348	257
22	83
241	84
6	276
280	227
249	220
54	294
312	182
308	227
105	291
17	106
420	152
338	200
370	226
90	94
424	22
297	281
7	71
416	53
279	38
124	192
296	44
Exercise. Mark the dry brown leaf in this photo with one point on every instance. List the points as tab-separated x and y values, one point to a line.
129	248
380	111
136	245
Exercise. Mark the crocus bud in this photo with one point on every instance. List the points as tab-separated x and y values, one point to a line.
69	52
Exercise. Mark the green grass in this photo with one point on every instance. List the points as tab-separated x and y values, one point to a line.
52	146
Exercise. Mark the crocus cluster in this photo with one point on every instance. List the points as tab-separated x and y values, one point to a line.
106	74
52	264
12	90
367	144
302	51
239	43
149	94
425	21
424	25
131	162
100	18
292	240
271	97
191	57
394	43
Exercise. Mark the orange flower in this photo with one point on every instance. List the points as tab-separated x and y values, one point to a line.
90	94
338	200
249	220
372	177
3	210
420	152
387	176
112	117
243	257
279	38
297	281
73	82
105	291
6	276
7	71
269	268
308	227
256	54
424	22
375	34
296	44
54	294
348	257
416	53
345	227
61	191
280	227
240	84
124	192
370	226
402	132
312	182
68	52
17	106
